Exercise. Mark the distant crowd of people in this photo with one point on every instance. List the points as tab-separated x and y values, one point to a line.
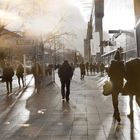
91	68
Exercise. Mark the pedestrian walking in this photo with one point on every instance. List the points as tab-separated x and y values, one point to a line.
102	68
82	70
65	74
132	87
116	73
8	73
94	68
97	67
19	74
36	70
91	68
87	67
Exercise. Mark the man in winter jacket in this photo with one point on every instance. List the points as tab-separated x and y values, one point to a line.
82	70
8	73
116	73
65	73
19	73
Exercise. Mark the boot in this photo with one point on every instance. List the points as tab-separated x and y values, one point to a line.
116	115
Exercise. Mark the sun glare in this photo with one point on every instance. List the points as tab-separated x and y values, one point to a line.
8	17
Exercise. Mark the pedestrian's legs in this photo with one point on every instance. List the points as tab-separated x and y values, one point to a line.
7	87
131	106
131	103
81	75
22	80
67	89
36	82
115	105
87	71
19	81
63	89
10	86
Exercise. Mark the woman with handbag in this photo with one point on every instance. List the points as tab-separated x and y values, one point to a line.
116	73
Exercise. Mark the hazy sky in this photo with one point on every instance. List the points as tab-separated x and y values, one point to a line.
119	15
43	16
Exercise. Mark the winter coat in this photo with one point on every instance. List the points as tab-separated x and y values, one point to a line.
132	85
65	72
20	71
116	73
102	67
8	73
82	68
36	69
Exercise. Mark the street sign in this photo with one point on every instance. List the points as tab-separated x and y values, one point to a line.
25	42
114	31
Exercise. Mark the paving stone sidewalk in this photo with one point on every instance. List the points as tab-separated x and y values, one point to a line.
88	115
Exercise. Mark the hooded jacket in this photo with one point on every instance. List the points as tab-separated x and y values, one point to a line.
65	72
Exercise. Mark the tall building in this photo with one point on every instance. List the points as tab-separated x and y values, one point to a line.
119	21
94	26
87	48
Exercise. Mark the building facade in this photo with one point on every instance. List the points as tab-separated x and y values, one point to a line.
95	29
121	28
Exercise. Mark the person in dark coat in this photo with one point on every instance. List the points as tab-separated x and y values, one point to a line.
82	70
87	67
65	74
116	73
19	74
97	67
37	72
132	85
102	68
94	68
91	68
8	73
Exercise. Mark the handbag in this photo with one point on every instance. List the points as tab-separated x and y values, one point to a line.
107	88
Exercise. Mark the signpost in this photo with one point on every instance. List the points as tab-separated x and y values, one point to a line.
25	44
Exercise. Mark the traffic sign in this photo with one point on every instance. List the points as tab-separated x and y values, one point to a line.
25	42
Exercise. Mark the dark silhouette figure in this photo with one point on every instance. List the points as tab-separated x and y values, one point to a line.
97	67
94	68
82	70
116	73
91	68
65	73
87	67
19	74
133	81
8	73
36	70
102	68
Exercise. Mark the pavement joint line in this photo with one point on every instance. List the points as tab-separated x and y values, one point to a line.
12	105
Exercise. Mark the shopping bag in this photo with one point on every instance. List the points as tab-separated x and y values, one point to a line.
107	88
